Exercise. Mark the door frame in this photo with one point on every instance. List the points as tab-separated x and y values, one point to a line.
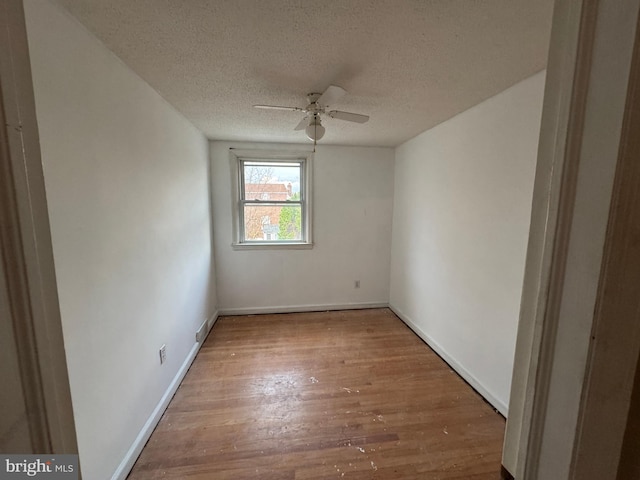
27	254
565	359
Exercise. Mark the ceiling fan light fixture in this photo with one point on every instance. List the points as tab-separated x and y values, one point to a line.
315	130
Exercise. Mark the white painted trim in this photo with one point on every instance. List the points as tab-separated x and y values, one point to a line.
272	246
138	444
267	154
561	120
301	308
305	158
26	238
453	363
587	78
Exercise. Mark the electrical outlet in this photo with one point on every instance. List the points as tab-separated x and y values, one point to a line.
163	354
356	284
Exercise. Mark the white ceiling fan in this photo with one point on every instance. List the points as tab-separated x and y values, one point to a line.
319	104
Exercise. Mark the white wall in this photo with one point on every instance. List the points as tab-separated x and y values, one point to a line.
353	194
126	180
462	205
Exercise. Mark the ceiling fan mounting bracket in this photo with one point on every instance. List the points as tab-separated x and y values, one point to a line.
313	97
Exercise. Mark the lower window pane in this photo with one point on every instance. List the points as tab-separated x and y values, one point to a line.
272	223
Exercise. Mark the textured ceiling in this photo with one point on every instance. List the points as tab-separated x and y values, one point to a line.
409	64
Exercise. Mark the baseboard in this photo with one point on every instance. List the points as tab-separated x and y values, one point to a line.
453	363
301	308
141	440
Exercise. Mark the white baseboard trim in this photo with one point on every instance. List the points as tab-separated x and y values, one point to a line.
453	363
301	308
141	440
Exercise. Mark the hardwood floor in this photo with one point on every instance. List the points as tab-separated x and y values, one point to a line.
350	394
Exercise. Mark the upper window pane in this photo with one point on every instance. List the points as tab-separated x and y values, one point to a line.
270	181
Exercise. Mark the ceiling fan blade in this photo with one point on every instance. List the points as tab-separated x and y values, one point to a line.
303	124
277	107
348	116
330	95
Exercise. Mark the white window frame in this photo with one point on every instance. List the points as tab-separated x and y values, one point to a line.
237	159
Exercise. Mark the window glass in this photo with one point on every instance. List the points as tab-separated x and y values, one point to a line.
273	202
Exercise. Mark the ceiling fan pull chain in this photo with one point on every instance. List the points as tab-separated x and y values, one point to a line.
315	137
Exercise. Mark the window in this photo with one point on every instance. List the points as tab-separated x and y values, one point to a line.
272	199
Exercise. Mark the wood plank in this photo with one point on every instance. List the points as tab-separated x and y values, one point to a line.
351	394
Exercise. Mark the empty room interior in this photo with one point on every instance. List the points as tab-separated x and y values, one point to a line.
328	285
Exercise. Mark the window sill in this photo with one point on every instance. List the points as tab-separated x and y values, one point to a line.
272	246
